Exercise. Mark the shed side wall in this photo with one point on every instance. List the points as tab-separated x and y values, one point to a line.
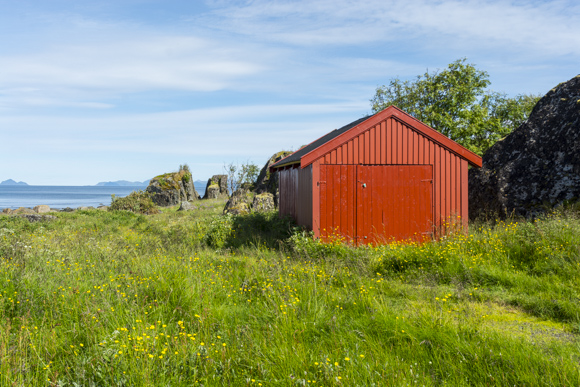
295	187
395	143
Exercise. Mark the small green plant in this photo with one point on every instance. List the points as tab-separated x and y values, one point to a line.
219	231
139	202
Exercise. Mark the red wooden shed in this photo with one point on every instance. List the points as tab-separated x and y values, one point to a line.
381	178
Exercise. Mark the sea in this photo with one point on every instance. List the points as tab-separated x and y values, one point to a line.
59	197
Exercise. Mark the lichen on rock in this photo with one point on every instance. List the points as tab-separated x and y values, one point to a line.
537	166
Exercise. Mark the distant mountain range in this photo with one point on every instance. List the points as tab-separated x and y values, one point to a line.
12	182
118	183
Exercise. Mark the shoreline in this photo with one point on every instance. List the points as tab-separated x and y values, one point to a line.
44	209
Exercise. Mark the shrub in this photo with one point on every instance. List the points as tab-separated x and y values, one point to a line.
219	231
137	201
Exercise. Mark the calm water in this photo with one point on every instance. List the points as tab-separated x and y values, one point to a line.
15	196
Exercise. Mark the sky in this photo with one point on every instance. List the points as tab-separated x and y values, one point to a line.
106	90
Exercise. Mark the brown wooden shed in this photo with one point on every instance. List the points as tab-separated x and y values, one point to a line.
381	178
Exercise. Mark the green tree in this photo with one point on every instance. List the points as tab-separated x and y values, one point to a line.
457	102
241	174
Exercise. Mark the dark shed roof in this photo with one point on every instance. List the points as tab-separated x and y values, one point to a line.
296	156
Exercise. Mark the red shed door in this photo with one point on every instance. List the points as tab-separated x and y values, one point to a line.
337	202
375	204
394	202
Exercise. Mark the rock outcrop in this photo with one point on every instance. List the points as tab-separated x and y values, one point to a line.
217	187
537	166
23	211
261	196
263	202
38	218
268	182
241	201
186	206
42	209
172	188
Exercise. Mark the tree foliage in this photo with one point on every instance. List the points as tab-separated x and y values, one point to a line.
457	102
241	174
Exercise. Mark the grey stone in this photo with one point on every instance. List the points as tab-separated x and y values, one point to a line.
42	209
217	187
537	166
38	218
263	202
240	202
186	206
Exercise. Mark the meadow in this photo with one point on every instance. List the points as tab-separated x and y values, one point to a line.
98	298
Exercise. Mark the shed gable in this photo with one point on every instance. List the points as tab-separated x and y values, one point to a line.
391	127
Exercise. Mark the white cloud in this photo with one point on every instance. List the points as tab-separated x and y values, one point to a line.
234	128
164	62
550	27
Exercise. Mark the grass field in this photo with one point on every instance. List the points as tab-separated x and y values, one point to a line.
98	298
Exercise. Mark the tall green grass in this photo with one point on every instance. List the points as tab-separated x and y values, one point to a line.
197	298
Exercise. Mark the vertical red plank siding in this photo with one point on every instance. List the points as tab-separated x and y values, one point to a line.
316	209
464	196
322	202
389	141
351	195
383	143
453	188
373	145
366	148
350	152
399	143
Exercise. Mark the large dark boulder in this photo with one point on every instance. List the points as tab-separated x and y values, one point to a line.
170	189
537	166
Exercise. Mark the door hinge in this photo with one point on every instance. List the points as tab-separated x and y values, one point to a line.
429	180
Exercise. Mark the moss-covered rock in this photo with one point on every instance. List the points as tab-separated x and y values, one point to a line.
263	202
241	199
217	187
170	189
268	182
239	209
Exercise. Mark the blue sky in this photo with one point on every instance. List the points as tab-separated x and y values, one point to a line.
105	90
